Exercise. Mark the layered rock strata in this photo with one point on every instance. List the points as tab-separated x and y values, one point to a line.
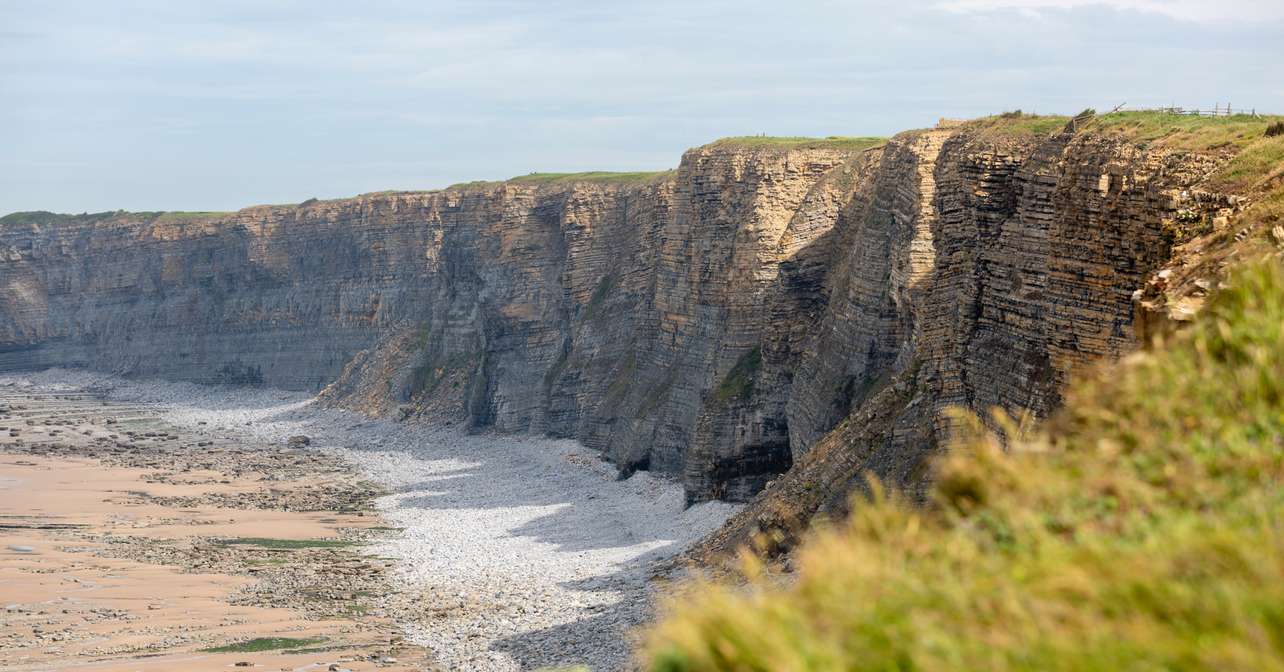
1039	248
713	322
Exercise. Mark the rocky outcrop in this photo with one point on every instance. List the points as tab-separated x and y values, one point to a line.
713	322
1019	264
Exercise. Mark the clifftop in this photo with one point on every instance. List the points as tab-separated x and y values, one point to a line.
45	218
1223	136
770	303
839	142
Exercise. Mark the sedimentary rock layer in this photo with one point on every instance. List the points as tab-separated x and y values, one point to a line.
714	322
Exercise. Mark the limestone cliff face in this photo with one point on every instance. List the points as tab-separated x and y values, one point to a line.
601	310
713	322
259	296
1003	264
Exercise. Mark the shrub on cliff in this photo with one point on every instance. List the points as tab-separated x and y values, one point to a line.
738	383
1142	529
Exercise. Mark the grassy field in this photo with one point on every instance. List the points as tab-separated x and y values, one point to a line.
42	217
1142	528
591	176
1258	167
1183	131
1017	124
1161	129
787	142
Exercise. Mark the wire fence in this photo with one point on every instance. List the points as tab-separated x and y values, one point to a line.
1087	116
1218	110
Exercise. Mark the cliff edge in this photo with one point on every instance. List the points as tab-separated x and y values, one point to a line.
769	304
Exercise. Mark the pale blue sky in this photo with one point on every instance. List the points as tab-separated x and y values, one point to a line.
221	104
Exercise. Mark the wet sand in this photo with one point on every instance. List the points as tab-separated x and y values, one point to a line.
128	544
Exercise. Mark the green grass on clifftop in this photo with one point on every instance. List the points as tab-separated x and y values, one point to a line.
41	217
1258	167
1017	124
591	176
786	142
1141	529
1184	131
1175	131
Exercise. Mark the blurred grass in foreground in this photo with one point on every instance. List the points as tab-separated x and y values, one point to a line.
1139	529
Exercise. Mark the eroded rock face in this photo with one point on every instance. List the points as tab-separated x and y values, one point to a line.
1017	266
714	322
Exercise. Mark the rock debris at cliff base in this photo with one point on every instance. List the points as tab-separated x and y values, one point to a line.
517	552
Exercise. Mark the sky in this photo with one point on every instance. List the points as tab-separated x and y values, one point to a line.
221	104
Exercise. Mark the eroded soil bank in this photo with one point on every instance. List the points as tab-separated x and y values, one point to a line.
168	519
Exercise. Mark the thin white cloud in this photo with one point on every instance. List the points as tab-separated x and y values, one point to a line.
1184	10
151	103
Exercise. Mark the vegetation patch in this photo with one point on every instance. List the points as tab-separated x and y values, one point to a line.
472	184
163	217
287	544
1230	244
1018	124
429	373
1259	163
393	192
554	372
623	380
266	644
656	396
356	609
45	217
339	646
432	369
1139	529
1185	131
423	336
600	293
266	562
738	383
591	176
855	143
42	217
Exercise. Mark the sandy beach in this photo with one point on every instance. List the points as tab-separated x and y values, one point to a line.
127	543
157	522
